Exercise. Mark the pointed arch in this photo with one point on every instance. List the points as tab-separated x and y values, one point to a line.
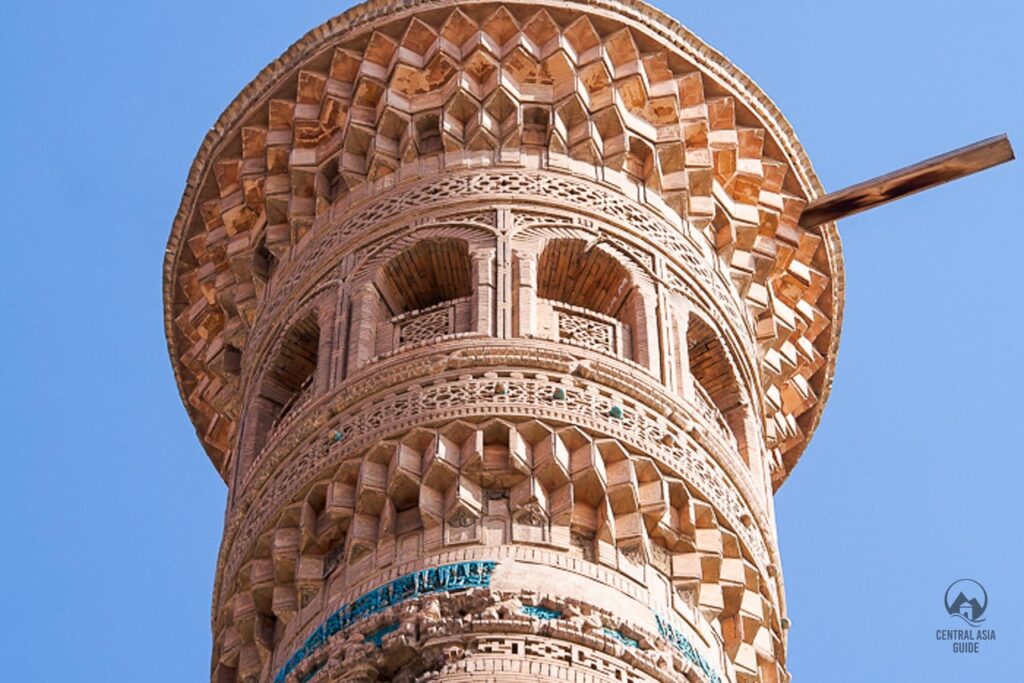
591	299
716	382
429	272
286	385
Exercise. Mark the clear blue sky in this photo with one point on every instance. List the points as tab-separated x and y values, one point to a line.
111	514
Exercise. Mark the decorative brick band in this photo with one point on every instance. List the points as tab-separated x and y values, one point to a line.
665	630
443	579
681	643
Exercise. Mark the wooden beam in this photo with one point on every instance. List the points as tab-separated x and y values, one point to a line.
921	176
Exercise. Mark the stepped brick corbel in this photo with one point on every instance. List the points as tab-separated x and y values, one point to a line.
499	322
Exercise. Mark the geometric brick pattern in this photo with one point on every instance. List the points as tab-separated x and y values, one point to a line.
497	321
497	483
586	330
626	95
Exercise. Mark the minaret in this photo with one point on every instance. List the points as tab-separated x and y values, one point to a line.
502	324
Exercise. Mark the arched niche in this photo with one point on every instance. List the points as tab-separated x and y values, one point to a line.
587	297
419	293
430	272
287	384
715	384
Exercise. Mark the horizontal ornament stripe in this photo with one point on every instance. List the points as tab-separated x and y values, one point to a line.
681	643
443	579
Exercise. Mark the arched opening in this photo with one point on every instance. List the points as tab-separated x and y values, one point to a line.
426	274
715	384
587	298
286	386
424	293
290	376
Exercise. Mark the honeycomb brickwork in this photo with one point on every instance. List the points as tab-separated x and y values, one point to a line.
498	323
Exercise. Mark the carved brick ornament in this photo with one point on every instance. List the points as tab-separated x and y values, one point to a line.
497	321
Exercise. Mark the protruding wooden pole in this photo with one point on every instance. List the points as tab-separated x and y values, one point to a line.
922	176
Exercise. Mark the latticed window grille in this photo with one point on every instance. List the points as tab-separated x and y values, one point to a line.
586	331
425	326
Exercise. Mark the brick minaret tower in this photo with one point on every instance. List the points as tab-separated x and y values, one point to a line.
499	321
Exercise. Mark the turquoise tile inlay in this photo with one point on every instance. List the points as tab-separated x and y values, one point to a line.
540	612
680	642
443	579
625	640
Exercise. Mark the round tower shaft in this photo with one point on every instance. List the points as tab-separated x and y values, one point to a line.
498	322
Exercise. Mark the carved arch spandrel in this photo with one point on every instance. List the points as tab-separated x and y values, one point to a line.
371	257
